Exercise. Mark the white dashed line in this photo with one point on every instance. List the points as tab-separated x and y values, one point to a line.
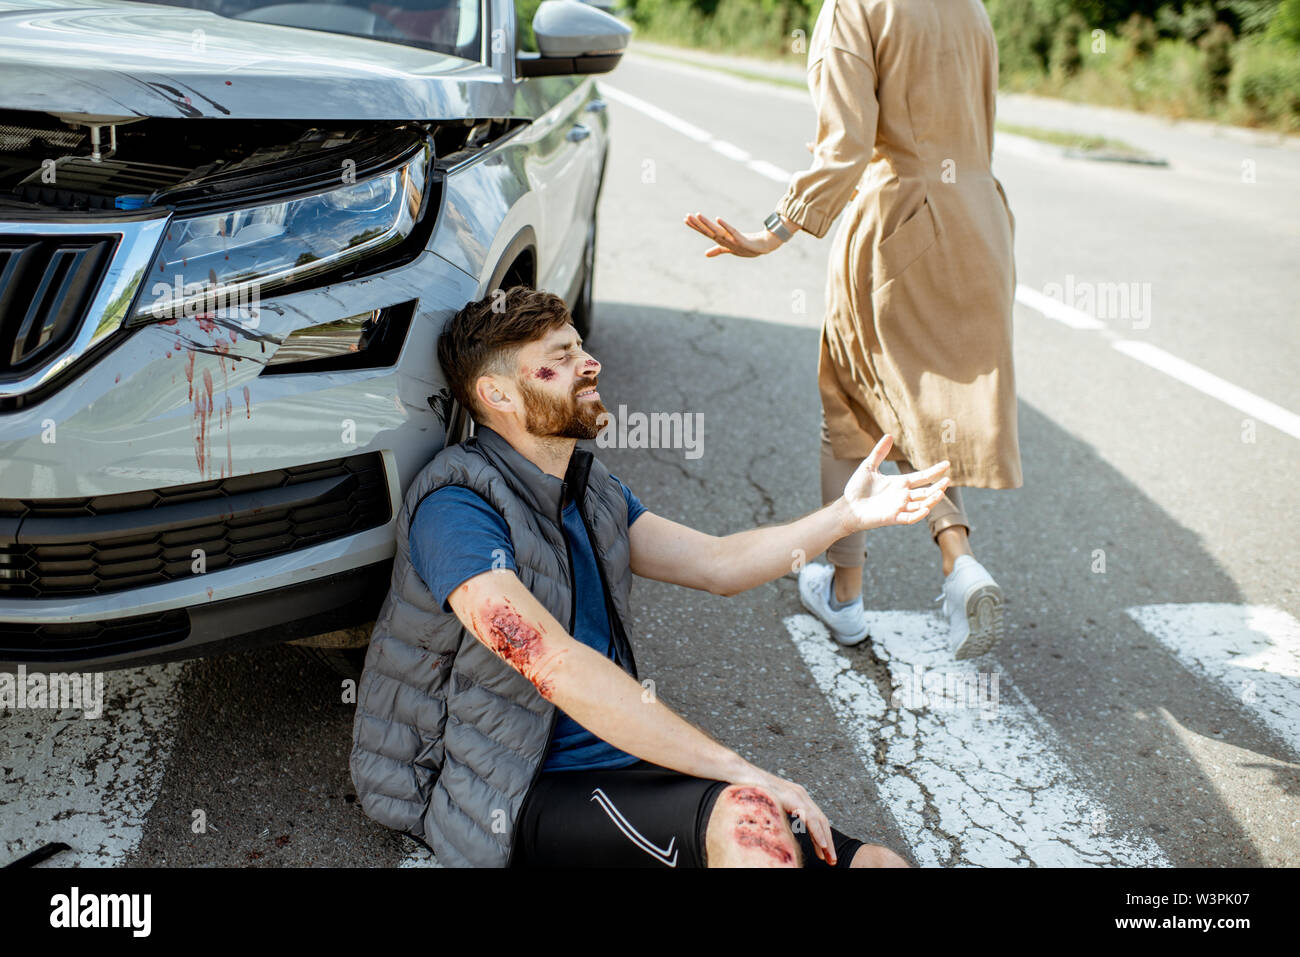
967	784
1194	376
730	150
89	783
1210	384
1055	309
1252	651
772	172
689	130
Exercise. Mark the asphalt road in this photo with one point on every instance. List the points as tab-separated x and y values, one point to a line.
1144	708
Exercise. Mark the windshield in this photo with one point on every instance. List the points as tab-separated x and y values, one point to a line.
447	26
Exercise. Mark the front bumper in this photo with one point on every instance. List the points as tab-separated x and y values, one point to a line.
266	617
185	402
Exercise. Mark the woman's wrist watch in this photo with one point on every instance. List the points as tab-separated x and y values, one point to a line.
774	225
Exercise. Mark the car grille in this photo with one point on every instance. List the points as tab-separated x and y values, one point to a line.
60	548
53	641
46	285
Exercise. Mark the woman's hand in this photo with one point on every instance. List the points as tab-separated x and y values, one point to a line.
875	500
731	240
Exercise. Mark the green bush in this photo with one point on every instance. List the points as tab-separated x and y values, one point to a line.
1266	83
1216	44
1188	22
1285	25
763	27
1141	34
1066	57
525	10
1250	16
1168	56
1024	31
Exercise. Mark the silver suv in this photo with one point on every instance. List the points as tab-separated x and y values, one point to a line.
230	233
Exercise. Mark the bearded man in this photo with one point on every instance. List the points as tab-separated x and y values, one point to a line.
499	718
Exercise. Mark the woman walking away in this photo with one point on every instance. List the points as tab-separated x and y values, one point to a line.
916	341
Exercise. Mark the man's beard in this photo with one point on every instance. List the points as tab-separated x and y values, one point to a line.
545	415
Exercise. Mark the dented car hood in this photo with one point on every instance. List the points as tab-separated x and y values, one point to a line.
114	58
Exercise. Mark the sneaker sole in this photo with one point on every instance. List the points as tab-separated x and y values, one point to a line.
984	618
846	642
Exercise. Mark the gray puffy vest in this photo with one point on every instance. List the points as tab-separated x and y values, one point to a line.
448	739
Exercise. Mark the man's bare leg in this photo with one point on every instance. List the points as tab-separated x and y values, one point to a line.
748	829
876	855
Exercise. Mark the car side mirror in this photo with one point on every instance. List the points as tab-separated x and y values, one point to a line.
573	38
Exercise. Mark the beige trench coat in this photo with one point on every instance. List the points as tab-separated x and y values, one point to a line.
917	336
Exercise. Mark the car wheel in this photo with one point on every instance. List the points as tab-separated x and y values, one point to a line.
582	309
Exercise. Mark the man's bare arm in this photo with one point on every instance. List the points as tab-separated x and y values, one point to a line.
726	565
590	688
506	617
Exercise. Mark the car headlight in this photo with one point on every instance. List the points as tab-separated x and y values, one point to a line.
222	261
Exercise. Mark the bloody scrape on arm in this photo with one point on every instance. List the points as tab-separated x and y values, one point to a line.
590	688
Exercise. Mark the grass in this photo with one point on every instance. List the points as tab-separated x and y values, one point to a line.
1078	141
1171	81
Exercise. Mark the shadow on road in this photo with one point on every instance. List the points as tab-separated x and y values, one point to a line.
265	739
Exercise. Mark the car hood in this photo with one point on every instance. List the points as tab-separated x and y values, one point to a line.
116	59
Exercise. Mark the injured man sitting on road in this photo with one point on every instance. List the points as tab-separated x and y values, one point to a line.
500	720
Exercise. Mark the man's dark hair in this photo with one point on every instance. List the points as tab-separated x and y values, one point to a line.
485	336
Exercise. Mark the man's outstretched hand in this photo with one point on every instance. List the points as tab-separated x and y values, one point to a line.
874	500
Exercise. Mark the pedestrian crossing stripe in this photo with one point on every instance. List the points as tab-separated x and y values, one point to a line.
1251	651
965	787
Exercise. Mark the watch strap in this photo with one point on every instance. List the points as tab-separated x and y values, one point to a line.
774	224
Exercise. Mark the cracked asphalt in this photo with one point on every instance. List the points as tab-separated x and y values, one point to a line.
1105	747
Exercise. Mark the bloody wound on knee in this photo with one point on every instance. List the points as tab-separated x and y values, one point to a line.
761	825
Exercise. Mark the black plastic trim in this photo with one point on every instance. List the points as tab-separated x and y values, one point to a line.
534	64
342	600
380	352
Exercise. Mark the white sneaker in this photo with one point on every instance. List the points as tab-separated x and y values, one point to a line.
972	604
848	626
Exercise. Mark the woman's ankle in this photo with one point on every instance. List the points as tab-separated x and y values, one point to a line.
846	585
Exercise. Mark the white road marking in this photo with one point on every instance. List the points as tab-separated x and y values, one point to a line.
420	857
1199	379
730	151
1194	376
689	130
772	172
1185	372
1055	309
761	87
89	783
1253	651
966	786
724	148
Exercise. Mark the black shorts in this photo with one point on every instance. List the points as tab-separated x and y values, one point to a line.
639	816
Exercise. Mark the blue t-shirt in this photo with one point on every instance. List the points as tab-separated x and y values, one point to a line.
456	535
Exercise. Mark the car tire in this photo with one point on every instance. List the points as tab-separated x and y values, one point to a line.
582	311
